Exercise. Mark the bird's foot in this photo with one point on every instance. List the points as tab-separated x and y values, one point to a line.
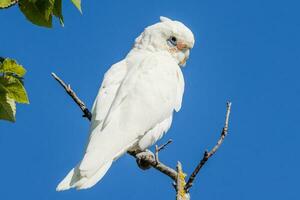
143	158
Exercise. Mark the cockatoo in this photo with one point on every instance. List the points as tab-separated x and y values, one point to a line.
136	101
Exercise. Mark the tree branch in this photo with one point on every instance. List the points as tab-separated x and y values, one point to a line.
72	94
181	193
207	154
158	149
162	147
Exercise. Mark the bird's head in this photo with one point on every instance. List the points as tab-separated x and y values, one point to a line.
168	35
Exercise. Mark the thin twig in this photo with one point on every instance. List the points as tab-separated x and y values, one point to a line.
156	154
158	149
164	145
207	154
73	95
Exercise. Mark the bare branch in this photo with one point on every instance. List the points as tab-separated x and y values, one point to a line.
156	154
207	154
181	193
158	149
164	145
73	95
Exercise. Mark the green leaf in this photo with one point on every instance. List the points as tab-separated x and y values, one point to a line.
3	90
6	3
57	11
39	12
11	88
11	66
7	109
77	3
14	89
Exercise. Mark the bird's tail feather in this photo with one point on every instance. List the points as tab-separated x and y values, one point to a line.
66	183
73	179
96	177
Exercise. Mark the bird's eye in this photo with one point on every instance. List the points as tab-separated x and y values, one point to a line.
172	40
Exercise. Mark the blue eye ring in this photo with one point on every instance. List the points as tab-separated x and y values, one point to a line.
173	40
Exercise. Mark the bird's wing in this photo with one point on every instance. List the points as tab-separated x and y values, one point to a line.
82	179
107	92
156	133
180	90
144	97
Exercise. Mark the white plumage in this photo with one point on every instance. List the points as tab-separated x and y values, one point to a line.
136	101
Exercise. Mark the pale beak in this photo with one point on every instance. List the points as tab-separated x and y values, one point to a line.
184	50
181	46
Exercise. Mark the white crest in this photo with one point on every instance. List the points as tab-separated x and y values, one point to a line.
164	19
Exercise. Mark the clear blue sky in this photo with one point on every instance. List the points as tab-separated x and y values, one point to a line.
246	51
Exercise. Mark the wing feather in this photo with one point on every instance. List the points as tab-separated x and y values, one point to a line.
107	93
